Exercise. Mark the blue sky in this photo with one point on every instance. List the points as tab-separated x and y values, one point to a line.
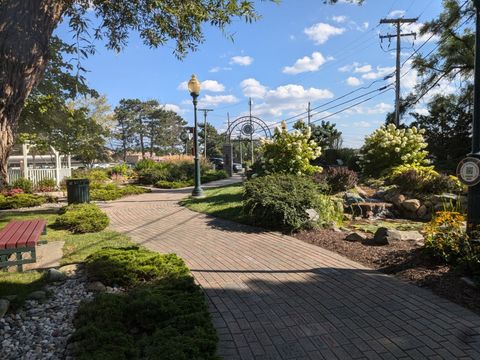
300	51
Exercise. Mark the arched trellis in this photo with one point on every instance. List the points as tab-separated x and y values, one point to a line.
248	125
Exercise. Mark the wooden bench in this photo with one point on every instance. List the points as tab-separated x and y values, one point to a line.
20	237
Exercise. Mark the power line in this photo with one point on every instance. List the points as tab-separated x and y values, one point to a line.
351	106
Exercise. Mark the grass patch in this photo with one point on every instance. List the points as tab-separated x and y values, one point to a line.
162	315
77	247
224	202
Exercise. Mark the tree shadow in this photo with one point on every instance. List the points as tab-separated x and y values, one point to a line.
332	313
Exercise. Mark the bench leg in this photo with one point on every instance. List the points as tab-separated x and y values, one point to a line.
19	258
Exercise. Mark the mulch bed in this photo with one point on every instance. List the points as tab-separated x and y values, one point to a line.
402	260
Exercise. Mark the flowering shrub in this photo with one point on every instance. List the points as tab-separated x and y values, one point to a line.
12	192
389	147
290	153
445	236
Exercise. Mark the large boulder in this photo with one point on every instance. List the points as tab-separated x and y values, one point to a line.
385	236
54	275
398	199
411	205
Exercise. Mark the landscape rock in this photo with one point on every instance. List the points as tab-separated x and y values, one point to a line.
54	275
96	286
4	305
356	237
398	199
71	270
37	295
411	205
422	211
385	236
312	214
361	192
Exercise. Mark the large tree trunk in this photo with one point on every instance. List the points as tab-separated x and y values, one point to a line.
26	27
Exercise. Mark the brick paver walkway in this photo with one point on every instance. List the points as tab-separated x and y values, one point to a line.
275	297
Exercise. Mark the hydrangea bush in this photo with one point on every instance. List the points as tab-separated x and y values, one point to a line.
389	147
290	152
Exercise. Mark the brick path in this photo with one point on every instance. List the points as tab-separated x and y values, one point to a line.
275	297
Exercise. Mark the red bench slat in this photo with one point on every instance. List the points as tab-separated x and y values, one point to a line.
35	235
7	232
21	233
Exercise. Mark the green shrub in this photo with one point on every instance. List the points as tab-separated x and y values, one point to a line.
163	184
162	315
134	266
23	183
21	201
150	176
105	194
120	169
422	179
46	185
281	202
94	175
338	178
82	218
134	190
389	147
145	164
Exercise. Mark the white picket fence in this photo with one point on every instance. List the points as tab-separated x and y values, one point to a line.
36	175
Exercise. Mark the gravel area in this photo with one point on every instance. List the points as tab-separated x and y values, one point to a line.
40	330
401	259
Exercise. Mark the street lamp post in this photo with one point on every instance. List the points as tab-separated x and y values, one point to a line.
194	88
473	220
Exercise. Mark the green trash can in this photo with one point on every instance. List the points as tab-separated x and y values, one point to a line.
78	191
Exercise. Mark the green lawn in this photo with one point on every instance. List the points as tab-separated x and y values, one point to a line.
224	202
77	247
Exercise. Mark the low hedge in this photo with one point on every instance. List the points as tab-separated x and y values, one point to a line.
82	218
113	192
21	201
163	184
162	315
208	176
285	202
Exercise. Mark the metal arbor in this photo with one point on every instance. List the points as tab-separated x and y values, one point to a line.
247	126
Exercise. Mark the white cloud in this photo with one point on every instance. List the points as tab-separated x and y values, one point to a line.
379	73
362	124
173	107
397	13
306	64
241	60
215	100
252	88
216	69
207	85
363	69
353	81
321	32
340	19
349	67
284	100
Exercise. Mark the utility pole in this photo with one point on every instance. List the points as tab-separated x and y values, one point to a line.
309	116
398	22
205	112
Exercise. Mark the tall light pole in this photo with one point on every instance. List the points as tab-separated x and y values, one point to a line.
194	88
473	217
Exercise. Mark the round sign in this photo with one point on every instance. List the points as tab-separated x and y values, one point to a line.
184	136
468	171
248	129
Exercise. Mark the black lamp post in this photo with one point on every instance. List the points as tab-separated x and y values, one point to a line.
473	219
194	88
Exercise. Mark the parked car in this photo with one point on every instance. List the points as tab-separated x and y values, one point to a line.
237	167
218	162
